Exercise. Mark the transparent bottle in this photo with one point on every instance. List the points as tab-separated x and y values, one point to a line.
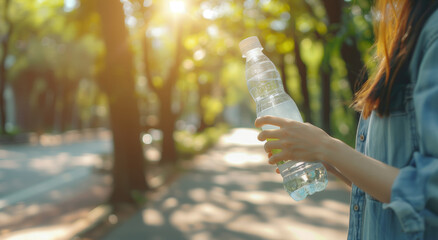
300	179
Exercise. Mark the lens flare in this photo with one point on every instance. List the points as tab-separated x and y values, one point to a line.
177	6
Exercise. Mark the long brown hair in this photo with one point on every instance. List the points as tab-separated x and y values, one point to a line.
397	25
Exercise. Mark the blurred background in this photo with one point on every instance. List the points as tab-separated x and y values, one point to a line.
144	85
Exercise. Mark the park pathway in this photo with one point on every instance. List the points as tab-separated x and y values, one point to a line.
49	187
232	193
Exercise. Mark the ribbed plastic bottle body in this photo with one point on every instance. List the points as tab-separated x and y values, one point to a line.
264	83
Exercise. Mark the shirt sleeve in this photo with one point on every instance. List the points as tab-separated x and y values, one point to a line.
414	194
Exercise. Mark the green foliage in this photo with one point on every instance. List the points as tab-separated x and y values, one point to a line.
53	47
233	75
189	144
213	107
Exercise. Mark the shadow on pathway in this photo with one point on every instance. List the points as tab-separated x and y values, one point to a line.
232	193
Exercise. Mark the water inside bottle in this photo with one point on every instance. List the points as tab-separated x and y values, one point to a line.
304	179
284	109
300	179
262	88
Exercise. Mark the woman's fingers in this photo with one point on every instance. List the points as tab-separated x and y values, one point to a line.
276	169
281	156
271	145
274	133
270	120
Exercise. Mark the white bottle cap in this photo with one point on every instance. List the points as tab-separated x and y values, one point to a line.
248	44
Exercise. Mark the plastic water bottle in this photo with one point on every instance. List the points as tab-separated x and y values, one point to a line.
300	179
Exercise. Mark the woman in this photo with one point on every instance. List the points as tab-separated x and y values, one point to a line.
394	169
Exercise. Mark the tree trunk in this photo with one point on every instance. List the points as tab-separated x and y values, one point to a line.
50	99
25	113
204	90
333	8
5	49
167	124
334	12
168	118
302	71
356	74
118	83
354	65
282	68
68	92
325	100
201	110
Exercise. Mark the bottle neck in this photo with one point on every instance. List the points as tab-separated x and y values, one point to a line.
253	53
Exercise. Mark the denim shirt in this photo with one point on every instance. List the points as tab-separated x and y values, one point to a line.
406	139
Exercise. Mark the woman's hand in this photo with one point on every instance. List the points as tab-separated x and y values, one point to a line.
297	141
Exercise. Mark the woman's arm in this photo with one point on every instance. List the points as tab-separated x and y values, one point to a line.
305	142
337	173
369	174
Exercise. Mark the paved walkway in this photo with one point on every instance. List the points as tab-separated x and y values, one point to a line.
48	188
232	193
